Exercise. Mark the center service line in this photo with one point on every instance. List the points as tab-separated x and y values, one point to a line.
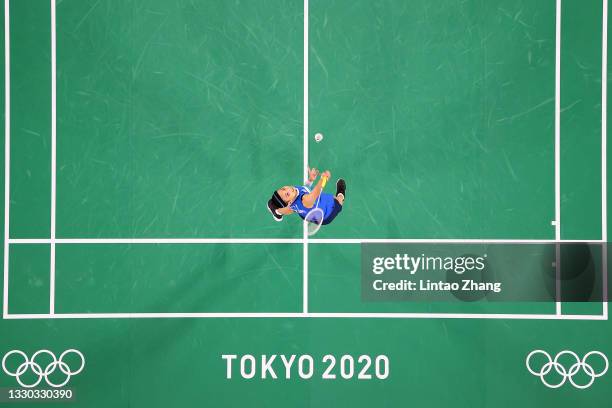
304	226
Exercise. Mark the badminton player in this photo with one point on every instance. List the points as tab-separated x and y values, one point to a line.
300	199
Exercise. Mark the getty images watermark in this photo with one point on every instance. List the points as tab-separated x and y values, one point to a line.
483	271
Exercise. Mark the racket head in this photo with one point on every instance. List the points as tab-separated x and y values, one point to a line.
314	220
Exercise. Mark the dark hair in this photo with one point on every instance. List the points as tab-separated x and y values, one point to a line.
276	202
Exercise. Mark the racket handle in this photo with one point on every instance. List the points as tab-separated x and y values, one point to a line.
324	182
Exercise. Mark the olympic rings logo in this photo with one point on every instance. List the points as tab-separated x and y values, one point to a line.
50	368
567	374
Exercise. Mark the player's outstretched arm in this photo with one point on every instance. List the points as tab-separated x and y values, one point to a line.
284	211
309	199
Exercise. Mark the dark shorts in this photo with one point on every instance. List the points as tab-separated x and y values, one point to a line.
336	210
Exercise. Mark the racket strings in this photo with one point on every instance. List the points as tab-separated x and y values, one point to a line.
314	219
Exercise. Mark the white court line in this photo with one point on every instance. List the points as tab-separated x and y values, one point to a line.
306	315
93	241
604	151
7	153
159	241
304	226
558	122
604	266
558	151
53	156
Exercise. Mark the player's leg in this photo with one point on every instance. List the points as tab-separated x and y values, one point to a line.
340	191
338	201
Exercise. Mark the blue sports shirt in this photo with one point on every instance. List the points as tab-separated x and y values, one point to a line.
325	203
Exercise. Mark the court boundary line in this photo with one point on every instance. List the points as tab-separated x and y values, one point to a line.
304	241
604	151
557	222
358	315
170	241
7	153
53	156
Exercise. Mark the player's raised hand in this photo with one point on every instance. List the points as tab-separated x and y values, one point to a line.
326	174
312	174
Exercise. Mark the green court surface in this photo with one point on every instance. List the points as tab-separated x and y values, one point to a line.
143	139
